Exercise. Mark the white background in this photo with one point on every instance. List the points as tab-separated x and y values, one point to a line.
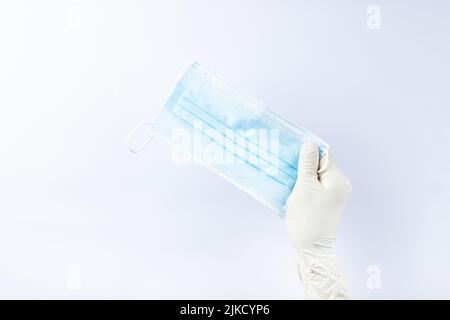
82	217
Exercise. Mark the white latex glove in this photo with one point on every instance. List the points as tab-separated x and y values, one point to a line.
313	215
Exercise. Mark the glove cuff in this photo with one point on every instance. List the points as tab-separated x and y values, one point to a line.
319	272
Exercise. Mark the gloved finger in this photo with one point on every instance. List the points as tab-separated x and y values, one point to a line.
308	162
330	175
325	163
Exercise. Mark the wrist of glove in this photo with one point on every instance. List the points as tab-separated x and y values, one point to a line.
313	215
318	270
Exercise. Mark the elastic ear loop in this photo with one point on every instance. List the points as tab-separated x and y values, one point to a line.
130	137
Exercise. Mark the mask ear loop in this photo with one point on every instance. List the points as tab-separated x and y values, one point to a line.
130	137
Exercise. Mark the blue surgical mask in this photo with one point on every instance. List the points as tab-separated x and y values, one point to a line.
234	135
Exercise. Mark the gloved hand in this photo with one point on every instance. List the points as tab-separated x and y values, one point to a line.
313	215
